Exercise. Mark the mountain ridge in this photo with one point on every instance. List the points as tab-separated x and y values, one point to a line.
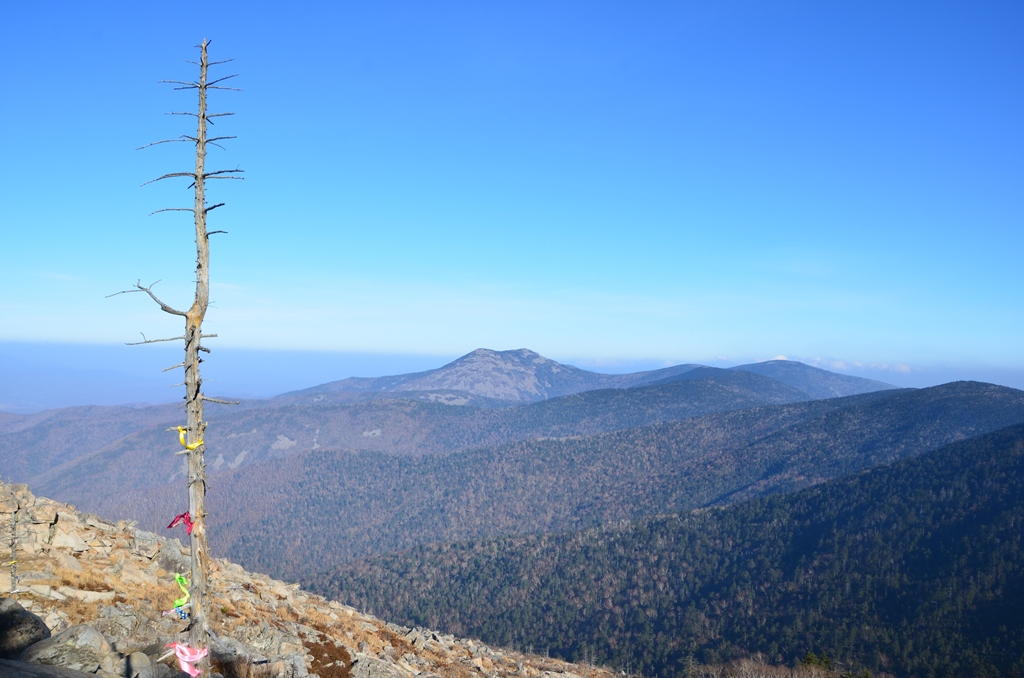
522	375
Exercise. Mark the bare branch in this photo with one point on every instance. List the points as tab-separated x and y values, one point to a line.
149	290
173	209
216	115
171	175
207	175
180	384
239	178
218	400
226	77
165	141
181	113
207	336
212	232
178	82
230	89
173	367
209	141
215	63
152	341
213	207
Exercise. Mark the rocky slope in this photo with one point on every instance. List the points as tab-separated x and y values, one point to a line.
101	590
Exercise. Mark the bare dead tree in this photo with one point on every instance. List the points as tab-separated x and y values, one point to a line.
12	540
193	432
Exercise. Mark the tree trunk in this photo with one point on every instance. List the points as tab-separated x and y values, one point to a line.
198	629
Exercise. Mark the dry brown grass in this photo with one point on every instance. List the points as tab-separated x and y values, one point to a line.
329	660
78	611
318	620
87	580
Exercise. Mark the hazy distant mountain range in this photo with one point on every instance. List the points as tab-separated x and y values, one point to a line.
522	376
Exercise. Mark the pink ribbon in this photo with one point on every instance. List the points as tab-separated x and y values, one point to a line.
183	518
186	657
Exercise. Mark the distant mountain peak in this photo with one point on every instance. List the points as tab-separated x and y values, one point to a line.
515	375
814	381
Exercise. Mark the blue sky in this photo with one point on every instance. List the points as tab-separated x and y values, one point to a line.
609	184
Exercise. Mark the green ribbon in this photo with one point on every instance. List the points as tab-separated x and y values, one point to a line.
183	585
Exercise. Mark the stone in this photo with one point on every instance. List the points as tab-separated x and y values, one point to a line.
80	647
86	596
46	591
133	575
33	534
125	666
13	669
56	620
94	521
145	544
66	540
170	557
112	662
34	575
19	629
44	514
68	561
371	667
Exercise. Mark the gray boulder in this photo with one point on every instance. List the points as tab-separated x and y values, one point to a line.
371	667
80	647
19	629
125	666
13	669
170	557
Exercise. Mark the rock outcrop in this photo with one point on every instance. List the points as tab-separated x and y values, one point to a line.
105	592
19	629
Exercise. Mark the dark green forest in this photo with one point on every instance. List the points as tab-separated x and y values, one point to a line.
910	569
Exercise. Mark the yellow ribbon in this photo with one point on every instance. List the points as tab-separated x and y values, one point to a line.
181	439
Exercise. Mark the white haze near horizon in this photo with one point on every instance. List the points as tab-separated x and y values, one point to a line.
39	376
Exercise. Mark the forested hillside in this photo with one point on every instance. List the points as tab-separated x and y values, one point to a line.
911	569
293	515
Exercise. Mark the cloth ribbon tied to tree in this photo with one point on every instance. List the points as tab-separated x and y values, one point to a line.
183	585
187	656
185	519
178	612
181	439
